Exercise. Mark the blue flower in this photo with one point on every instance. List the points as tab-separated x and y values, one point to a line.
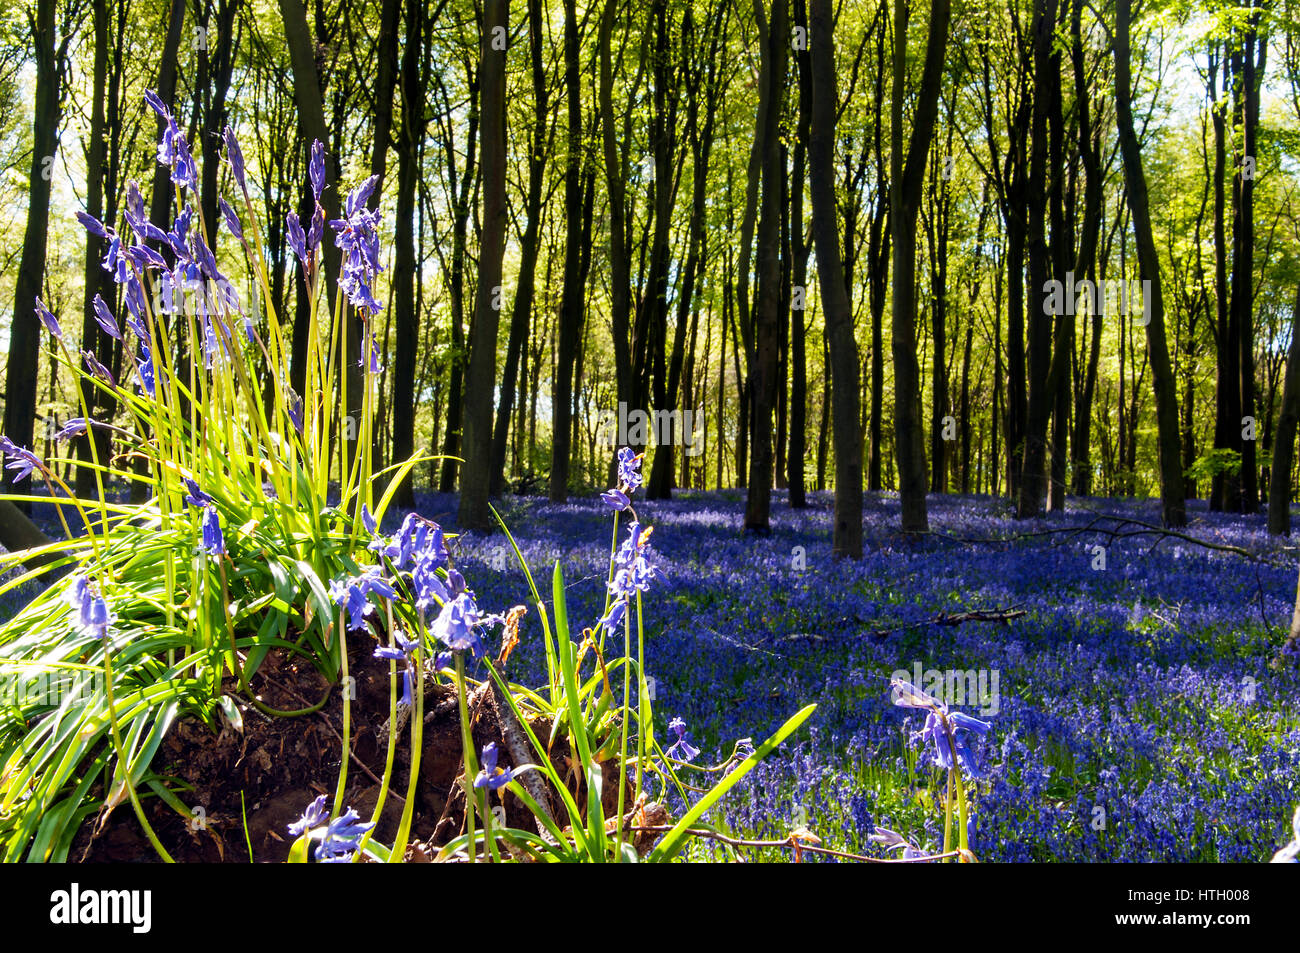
403	652
297	238
492	777
98	369
235	156
616	499
962	725
358	238
173	150
457	624
48	319
351	594
316	168
629	469
685	750
341	837
312	818
293	407
231	219
21	461
74	427
194	496
92	611
214	544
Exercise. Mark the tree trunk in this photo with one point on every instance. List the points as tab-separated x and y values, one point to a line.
1279	487
405	279
1171	473
906	177
475	512
767	307
846	540
25	331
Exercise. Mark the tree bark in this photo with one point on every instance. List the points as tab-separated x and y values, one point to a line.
906	175
1171	473
846	538
475	512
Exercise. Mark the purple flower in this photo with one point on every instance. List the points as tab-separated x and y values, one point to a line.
685	751
403	652
351	594
145	366
214	544
48	319
316	168
297	238
457	623
341	837
93	614
173	150
492	777
21	461
616	499
293	407
98	369
92	225
74	427
195	496
629	469
313	817
358	238
232	220
235	156
962	725
104	318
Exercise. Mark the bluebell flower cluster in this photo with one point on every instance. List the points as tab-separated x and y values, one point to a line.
1143	715
93	614
340	839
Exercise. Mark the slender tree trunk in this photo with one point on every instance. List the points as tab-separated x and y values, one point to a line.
25	331
474	512
906	176
1279	488
846	538
1171	473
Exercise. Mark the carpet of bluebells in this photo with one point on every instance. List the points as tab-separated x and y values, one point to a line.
1139	717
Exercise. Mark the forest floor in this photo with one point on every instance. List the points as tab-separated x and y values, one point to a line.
1140	709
